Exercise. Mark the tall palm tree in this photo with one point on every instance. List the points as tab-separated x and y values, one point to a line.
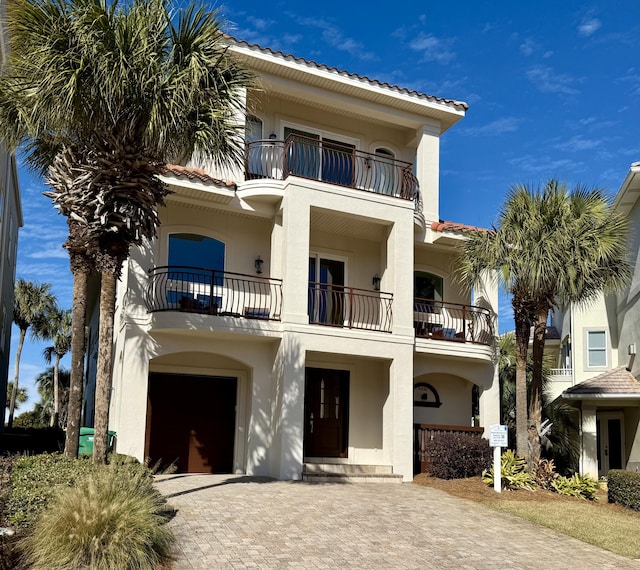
58	330
112	93
32	303
45	381
21	395
550	246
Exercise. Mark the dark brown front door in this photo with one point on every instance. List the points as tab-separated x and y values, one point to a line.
326	412
191	421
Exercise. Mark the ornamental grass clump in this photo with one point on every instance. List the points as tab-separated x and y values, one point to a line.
114	519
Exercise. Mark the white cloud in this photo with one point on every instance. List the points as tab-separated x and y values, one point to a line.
589	26
50	252
548	81
528	47
540	164
578	143
335	38
433	48
497	127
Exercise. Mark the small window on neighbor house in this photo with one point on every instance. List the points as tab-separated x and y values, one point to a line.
597	348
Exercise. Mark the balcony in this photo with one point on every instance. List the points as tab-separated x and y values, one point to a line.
348	307
438	320
212	292
330	162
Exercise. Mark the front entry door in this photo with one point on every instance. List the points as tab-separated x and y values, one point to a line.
610	442
326	412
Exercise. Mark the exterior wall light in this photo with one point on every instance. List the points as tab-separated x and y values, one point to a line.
376	282
258	264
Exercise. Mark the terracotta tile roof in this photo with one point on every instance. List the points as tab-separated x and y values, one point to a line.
442	226
616	381
195	174
375	82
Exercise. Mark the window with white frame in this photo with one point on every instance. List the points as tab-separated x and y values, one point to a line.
596	348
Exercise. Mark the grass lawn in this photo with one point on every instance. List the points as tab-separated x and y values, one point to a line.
596	522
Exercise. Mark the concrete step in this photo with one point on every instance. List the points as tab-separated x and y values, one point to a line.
347	473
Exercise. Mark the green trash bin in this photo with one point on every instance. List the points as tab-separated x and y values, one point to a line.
86	441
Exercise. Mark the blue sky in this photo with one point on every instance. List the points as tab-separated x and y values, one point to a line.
553	90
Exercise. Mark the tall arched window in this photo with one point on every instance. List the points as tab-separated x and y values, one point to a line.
253	133
384	172
196	271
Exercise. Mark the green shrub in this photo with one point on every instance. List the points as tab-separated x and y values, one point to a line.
36	479
513	473
582	486
115	519
624	488
455	456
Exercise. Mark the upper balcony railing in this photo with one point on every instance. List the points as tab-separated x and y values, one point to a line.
332	162
452	321
340	306
212	292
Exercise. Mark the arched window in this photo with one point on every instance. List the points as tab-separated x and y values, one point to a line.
196	272
428	286
384	172
253	133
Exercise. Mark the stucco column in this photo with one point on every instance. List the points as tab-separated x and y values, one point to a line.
399	275
295	231
399	422
289	415
589	436
427	168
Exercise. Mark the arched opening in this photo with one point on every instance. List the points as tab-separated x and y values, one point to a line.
384	172
196	272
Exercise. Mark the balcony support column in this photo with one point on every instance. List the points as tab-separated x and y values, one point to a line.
427	168
295	258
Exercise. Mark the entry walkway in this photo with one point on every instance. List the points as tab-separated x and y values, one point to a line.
247	522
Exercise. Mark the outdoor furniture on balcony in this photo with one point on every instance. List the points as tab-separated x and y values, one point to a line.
213	292
330	162
339	306
439	320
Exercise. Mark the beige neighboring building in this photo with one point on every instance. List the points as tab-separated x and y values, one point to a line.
10	222
300	315
598	368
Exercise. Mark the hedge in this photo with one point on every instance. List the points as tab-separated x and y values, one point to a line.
456	456
624	488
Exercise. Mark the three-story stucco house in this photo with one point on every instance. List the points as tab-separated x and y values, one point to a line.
10	222
597	370
300	315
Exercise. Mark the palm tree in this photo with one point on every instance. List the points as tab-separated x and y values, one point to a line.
550	246
58	330
21	395
32	303
45	381
561	441
106	95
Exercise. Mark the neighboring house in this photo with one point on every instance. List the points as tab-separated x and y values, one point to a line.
304	314
596	355
10	221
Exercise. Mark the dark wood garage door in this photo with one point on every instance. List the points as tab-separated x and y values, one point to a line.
191	421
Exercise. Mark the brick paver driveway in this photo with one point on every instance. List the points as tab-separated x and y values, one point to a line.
243	522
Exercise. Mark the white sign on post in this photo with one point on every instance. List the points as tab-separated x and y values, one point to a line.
498	438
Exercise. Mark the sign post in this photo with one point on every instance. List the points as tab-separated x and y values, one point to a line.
498	438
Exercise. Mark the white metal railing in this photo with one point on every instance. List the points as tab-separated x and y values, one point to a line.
560	372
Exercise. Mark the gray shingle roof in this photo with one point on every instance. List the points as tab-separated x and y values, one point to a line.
616	381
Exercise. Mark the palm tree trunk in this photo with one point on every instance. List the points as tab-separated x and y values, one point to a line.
56	393
522	346
79	308
104	367
16	376
535	405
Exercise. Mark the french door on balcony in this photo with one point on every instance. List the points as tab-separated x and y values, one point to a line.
311	155
326	290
